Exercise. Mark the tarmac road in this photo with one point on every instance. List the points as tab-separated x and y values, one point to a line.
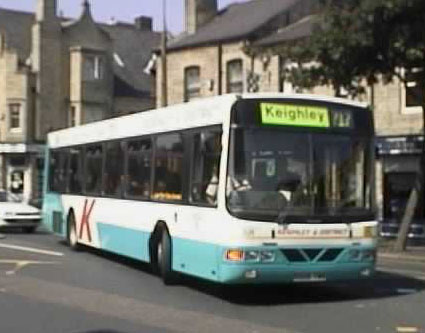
45	287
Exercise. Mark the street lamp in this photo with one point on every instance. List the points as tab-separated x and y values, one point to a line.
164	95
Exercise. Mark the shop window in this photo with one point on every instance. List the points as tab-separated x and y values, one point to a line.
234	76
205	167
93	169
192	83
93	67
168	168
139	155
15	116
114	169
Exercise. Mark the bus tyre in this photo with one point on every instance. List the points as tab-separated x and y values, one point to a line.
163	253
72	236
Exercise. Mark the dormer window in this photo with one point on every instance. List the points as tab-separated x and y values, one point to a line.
94	67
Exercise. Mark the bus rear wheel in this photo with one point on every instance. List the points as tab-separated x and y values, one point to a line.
163	258
72	237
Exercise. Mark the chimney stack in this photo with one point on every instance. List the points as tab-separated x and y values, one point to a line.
143	23
198	13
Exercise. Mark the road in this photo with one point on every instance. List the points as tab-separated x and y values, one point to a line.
45	287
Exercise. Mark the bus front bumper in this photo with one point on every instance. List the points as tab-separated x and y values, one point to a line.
274	273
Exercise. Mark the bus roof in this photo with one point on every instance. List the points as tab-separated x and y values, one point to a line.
199	113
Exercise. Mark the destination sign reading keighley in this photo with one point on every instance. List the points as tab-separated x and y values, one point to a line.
294	115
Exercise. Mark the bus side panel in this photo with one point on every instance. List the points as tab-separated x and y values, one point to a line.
196	258
54	217
125	241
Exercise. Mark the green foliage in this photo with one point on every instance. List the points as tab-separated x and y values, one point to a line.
354	41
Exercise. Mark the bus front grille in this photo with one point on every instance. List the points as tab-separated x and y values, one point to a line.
311	255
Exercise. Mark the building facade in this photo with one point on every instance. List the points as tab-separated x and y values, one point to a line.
56	73
214	57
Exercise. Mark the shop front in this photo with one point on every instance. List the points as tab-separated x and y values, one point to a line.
399	161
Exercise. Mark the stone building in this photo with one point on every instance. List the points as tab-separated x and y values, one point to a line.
211	58
55	73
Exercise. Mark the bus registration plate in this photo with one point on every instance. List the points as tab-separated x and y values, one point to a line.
309	277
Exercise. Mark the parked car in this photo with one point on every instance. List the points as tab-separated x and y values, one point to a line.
19	215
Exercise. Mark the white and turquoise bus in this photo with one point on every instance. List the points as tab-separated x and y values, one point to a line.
235	189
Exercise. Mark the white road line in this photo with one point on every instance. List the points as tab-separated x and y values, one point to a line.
31	249
19	264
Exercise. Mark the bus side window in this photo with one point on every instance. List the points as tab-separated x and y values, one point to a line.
205	167
114	169
58	170
75	167
168	168
139	161
93	169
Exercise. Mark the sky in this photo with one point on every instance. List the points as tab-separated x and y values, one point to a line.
120	10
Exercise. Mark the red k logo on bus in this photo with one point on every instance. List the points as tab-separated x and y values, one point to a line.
85	219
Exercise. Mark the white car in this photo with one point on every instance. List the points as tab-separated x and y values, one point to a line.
19	215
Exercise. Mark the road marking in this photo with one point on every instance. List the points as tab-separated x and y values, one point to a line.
402	329
19	264
31	249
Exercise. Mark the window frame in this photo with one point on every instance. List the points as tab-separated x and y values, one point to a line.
409	110
11	110
229	82
97	72
188	91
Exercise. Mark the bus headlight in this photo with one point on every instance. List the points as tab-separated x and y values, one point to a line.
268	256
369	255
369	231
354	255
252	255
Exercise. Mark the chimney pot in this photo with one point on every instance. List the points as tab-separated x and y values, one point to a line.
143	23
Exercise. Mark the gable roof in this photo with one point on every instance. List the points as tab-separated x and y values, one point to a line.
17	27
236	21
132	45
300	29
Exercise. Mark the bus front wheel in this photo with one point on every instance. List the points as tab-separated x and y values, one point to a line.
163	254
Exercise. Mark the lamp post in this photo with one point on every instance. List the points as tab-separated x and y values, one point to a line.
164	95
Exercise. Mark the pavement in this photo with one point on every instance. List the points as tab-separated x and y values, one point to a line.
412	252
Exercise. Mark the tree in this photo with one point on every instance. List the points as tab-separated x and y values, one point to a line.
362	41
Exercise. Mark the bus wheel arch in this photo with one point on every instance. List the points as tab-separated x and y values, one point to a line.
160	250
71	230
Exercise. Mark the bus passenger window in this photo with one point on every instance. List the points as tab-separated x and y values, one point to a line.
168	168
93	169
58	167
75	170
139	154
114	169
205	167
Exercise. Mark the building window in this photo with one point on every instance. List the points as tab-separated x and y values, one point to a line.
413	93
15	116
93	68
234	76
192	83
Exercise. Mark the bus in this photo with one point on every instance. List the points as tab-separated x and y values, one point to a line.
236	189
